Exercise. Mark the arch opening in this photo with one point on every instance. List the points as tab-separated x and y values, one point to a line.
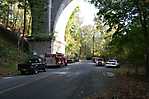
58	44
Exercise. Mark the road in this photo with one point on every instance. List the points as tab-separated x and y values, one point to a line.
76	81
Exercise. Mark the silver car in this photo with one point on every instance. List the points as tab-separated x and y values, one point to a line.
112	63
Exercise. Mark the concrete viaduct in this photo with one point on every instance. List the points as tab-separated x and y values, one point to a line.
45	14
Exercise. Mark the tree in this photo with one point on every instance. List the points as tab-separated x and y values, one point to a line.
129	19
72	34
12	13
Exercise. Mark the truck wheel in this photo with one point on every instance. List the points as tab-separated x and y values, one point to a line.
61	65
44	70
65	64
22	72
34	71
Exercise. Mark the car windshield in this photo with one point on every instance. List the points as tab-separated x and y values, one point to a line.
100	59
33	60
111	61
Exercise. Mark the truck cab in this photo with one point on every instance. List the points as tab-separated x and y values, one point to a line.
57	59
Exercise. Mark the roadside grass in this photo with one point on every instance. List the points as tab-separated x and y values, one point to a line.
8	70
130	70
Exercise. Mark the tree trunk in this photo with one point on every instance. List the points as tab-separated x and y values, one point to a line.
24	29
136	69
15	21
93	44
7	21
146	37
147	63
143	17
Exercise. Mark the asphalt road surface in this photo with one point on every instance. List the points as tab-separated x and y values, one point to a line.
76	81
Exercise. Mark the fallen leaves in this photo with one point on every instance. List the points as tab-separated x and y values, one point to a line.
126	88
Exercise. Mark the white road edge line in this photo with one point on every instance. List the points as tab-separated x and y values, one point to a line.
17	86
7	77
9	89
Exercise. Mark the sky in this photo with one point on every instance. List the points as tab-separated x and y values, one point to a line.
87	12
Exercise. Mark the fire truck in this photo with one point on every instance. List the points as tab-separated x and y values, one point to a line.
57	59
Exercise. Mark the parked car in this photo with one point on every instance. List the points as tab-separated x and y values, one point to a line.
77	59
112	63
71	60
32	66
100	62
94	59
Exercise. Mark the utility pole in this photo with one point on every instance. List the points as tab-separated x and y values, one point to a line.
25	4
81	45
93	43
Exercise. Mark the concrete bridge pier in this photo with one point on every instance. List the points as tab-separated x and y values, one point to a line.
45	14
41	47
41	17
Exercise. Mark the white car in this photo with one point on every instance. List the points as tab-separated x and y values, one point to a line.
100	62
112	63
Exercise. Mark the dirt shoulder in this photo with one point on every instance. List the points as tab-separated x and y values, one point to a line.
7	72
129	85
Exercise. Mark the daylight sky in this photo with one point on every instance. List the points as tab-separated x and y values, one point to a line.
87	12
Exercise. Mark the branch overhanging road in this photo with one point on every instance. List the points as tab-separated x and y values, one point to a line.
76	81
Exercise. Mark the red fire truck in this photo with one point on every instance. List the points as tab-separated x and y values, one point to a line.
57	59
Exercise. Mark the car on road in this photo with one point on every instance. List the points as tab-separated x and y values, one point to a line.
100	62
70	60
94	59
76	59
34	65
112	63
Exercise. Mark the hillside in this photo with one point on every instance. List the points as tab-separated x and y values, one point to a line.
9	54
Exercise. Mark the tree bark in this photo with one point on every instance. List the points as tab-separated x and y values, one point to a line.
7	21
143	17
24	29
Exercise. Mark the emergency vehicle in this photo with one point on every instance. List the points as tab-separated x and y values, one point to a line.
57	59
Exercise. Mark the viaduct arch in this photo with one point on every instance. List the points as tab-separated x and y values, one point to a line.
45	15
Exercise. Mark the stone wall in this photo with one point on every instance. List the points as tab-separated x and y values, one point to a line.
41	47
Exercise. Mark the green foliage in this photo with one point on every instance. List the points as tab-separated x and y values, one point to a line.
79	39
41	37
72	35
125	19
9	55
12	15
